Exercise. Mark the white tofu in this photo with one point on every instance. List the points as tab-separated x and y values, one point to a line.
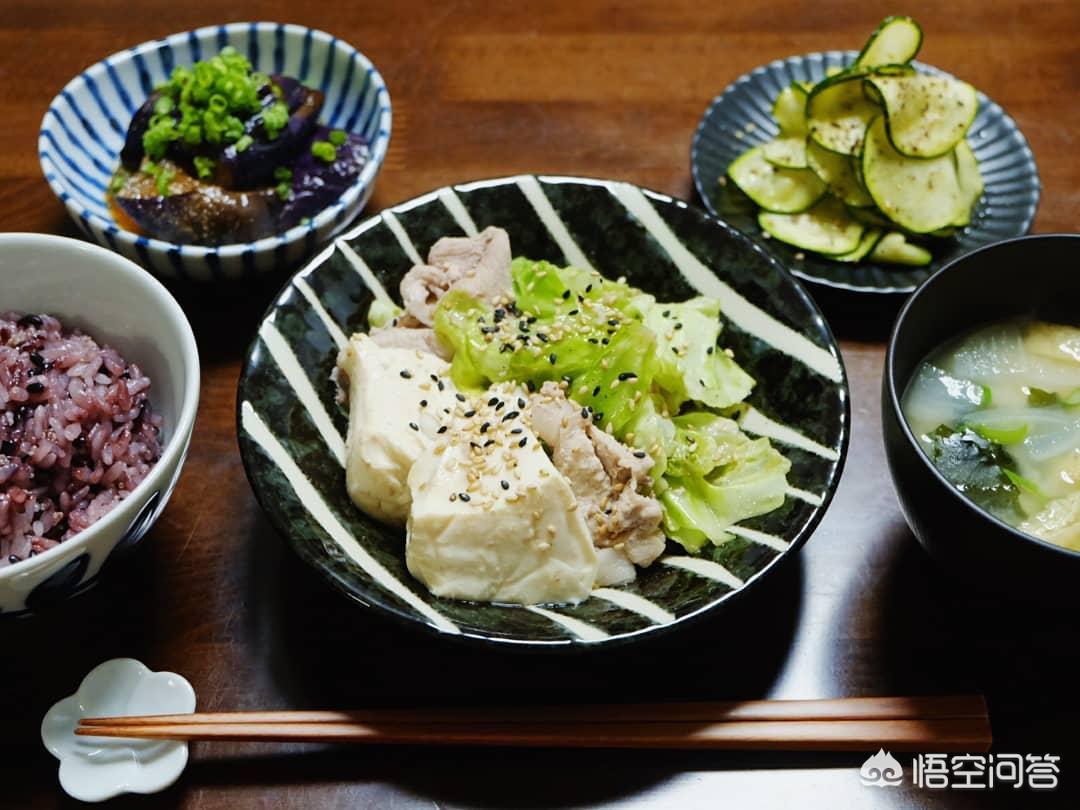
386	388
523	541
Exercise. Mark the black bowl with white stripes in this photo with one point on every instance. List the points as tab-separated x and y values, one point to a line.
741	117
291	427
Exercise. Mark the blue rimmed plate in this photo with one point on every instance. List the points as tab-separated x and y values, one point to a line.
84	128
291	427
740	118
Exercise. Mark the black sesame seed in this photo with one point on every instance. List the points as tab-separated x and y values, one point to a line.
406	373
584	413
544	338
506	347
469	414
596	391
39	361
613	322
678	324
553	358
521	402
464	496
493	401
35	387
518	430
29	320
523	442
489	442
504	484
489	330
414	426
441	386
588	289
605	341
532	319
511	415
474	445
709	350
499	406
434	377
593	341
565	295
666	313
701	382
596	417
14	558
460	397
627	375
441	429
423	403
500	313
639	454
453	496
675	349
484	427
573	312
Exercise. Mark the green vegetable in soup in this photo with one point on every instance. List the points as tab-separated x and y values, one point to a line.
976	466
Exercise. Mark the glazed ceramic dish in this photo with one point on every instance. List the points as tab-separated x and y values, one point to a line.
741	117
115	302
85	126
291	426
963	295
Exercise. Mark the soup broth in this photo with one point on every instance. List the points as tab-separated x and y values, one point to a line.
998	413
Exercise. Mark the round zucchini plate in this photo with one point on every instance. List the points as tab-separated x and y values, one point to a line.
291	424
741	117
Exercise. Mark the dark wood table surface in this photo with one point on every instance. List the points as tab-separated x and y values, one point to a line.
607	89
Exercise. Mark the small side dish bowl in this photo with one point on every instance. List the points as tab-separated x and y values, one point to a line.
741	117
84	129
116	303
291	424
979	288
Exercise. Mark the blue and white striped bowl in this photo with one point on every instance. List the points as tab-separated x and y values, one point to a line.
84	129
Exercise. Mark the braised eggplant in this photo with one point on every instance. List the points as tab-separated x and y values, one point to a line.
221	154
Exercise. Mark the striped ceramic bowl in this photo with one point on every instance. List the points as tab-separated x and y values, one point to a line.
291	425
84	129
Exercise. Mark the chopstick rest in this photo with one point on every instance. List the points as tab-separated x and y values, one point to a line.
95	769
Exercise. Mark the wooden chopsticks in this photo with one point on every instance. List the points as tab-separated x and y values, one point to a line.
944	724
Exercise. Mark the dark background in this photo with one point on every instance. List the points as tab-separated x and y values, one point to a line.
606	89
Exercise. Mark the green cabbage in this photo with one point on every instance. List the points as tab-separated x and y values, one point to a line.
382	312
717	476
635	364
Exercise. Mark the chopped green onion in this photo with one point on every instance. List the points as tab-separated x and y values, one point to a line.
164	180
324	150
283	173
243	142
204	167
164	105
338	137
118	181
274	118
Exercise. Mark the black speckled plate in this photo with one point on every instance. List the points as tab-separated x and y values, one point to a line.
291	427
740	118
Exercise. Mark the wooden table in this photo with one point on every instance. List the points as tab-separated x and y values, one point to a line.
610	89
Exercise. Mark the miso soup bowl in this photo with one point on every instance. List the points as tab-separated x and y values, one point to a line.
1033	276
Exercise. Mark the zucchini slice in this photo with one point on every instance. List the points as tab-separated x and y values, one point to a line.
838	173
927	115
825	228
971	183
787	151
918	195
869	240
774	188
893	248
789	109
838	112
896	41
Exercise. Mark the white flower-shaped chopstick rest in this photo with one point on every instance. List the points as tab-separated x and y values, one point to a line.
97	768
